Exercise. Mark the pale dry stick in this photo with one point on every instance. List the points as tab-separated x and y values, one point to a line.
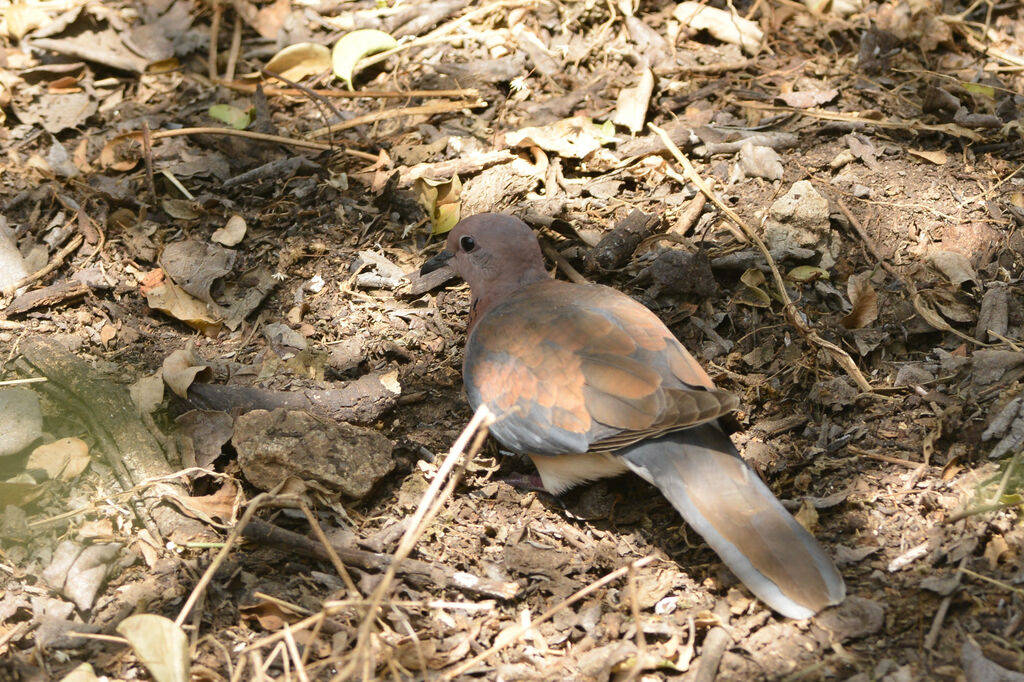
317	620
418	42
515	632
425	511
1013	344
677	232
715	644
444	29
55	262
690	214
1013	62
992	581
413	637
462	93
252	135
641	641
216	643
236	47
793	316
276	637
339	565
308	92
422	110
854	450
16	382
565	266
944	128
177	183
126	494
211	57
924	312
440	604
283	603
239	669
296	657
16	633
147	156
940	615
314	635
99	637
987	194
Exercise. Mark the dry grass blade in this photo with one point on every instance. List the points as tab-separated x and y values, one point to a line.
423	110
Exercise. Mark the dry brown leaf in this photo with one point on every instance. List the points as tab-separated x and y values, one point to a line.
181	368
995	549
172	300
864	300
65	458
232	233
938	157
121	153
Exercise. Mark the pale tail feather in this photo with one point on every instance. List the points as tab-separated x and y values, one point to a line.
724	500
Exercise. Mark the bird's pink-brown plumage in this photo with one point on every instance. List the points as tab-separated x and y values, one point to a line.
590	383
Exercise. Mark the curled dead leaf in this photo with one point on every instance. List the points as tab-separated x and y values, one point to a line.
864	301
442	202
121	153
752	294
300	60
64	459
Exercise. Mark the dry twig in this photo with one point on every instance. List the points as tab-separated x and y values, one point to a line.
54	263
429	506
422	110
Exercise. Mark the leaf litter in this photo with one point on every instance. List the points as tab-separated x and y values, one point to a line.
269	252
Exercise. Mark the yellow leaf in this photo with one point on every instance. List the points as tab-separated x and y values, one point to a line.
300	60
806	273
441	200
979	89
355	45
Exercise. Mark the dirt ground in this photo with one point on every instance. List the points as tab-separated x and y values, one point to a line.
227	398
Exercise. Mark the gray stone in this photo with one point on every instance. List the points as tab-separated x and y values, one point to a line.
21	421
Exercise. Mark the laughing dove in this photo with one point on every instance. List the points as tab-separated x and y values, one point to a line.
589	383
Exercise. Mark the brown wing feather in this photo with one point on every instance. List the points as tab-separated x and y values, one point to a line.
570	368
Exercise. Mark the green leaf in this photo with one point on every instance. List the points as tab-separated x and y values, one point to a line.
752	277
979	89
355	45
232	116
753	294
806	273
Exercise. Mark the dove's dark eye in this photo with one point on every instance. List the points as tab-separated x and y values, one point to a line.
467	243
